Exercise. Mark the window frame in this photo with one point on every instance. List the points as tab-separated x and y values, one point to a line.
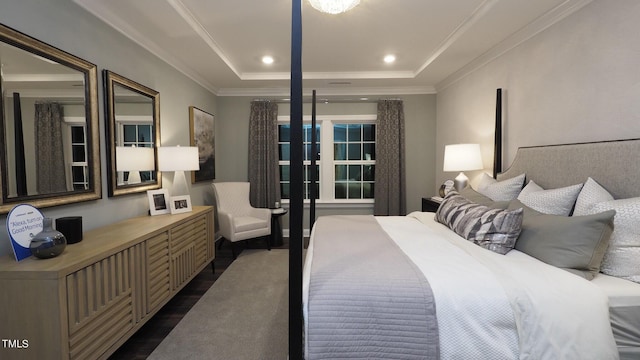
326	177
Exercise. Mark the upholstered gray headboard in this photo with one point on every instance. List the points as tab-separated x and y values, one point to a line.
613	164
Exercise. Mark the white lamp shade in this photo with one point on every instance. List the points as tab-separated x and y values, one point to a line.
462	157
131	158
178	158
334	6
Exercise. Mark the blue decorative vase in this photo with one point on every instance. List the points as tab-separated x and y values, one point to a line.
48	243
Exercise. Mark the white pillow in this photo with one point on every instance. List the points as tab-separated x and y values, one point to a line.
505	190
622	258
558	201
591	194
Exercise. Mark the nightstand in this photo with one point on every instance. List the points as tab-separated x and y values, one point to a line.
431	204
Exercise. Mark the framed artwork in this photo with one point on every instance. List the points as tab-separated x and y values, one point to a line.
158	201
180	204
202	135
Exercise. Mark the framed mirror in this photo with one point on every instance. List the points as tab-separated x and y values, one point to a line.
133	135
49	136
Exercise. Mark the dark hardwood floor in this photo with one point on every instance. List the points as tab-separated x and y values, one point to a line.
145	340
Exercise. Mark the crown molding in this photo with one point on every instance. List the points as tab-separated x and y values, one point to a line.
361	91
542	23
97	9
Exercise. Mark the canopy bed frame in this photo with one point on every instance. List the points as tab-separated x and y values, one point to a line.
551	166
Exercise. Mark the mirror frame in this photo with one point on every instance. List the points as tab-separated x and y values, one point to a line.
15	38
110	79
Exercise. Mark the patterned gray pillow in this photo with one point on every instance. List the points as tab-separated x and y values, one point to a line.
558	201
493	229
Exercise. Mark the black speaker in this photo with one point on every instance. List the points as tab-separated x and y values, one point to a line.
71	228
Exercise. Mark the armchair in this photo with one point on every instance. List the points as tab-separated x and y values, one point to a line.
238	220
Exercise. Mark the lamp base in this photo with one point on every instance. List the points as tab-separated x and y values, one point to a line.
179	186
461	181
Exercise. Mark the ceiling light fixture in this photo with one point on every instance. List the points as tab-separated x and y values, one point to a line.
267	59
389	59
334	6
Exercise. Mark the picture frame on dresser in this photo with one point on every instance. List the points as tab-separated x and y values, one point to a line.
158	202
180	204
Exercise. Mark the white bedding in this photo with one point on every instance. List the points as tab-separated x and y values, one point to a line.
479	294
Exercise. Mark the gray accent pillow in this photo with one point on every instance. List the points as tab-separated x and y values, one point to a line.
478	198
558	201
576	243
505	190
492	229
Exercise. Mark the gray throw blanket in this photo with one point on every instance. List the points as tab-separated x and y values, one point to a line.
367	300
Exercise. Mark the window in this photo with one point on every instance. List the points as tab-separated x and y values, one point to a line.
354	158
346	158
79	166
135	131
284	139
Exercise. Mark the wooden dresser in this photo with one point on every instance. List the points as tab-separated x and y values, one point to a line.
88	301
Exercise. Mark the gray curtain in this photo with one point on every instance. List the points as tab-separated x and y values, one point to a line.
264	174
390	191
50	166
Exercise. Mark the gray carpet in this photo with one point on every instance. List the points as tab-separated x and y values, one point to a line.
244	315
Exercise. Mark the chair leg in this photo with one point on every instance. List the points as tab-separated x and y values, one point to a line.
234	250
267	239
220	243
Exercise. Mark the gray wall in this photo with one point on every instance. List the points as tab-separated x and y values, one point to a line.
420	110
65	25
576	81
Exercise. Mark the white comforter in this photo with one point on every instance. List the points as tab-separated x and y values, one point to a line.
494	306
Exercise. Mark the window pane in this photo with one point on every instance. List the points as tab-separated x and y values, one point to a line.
369	173
355	190
77	134
340	132
340	152
306	133
368	132
354	172
78	153
354	152
369	151
341	190
130	133
367	190
283	149
355	132
284	191
284	132
341	172
144	133
77	173
284	173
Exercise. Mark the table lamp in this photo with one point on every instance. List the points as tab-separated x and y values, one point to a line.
134	159
178	159
462	157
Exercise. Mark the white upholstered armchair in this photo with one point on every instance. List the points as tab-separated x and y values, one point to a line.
238	220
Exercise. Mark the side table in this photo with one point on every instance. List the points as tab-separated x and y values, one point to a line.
431	204
276	228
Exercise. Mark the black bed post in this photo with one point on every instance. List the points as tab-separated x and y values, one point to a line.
497	150
312	170
296	204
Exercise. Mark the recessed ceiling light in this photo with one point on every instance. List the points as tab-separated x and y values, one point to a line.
267	59
389	59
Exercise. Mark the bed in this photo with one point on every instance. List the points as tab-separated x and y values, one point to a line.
413	287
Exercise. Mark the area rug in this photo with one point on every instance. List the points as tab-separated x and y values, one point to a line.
244	315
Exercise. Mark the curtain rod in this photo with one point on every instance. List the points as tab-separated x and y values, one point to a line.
327	101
